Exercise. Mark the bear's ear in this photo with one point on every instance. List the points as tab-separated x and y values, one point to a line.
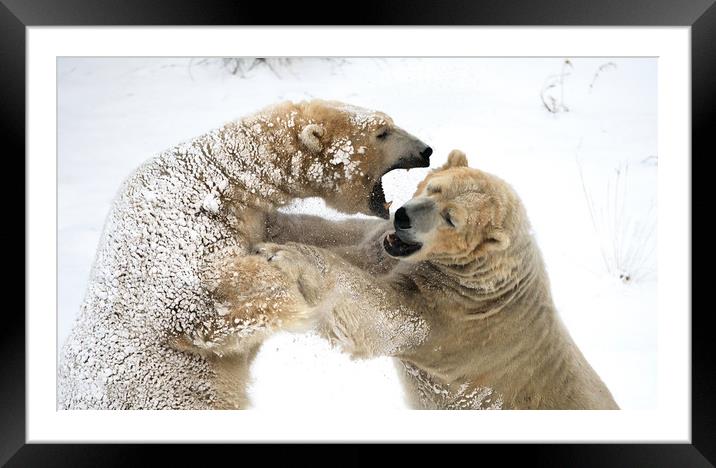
310	136
456	158
496	240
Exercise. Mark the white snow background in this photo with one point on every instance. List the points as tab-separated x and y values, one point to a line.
113	113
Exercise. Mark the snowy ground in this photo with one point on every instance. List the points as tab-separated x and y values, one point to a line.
115	113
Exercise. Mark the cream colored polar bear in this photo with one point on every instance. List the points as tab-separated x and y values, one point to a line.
154	330
456	291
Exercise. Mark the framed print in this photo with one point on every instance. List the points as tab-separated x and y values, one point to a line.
330	226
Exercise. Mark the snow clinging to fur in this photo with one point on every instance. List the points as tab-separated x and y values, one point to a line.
175	218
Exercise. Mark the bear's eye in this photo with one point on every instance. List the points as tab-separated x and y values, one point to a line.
448	219
382	134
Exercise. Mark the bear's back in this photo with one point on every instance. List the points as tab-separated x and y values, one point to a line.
145	286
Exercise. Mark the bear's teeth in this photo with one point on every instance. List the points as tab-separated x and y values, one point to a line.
386	205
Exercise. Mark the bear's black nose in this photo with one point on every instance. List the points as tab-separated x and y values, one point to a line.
426	152
402	221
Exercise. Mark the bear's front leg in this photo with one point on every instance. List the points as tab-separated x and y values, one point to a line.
358	241
281	228
365	314
251	296
304	267
252	299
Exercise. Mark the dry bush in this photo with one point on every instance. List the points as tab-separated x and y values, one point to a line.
627	237
243	67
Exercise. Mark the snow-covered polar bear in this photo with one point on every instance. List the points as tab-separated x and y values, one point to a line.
455	289
155	330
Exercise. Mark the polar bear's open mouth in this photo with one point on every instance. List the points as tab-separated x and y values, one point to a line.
377	203
397	247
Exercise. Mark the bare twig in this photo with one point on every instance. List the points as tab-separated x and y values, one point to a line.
651	160
602	68
553	81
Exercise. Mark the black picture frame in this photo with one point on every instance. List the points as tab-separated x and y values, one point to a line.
16	15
